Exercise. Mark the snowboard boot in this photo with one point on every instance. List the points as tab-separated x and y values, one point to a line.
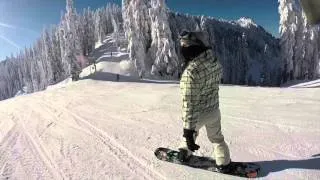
225	168
184	155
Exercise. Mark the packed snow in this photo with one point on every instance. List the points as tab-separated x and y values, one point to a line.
61	84
104	128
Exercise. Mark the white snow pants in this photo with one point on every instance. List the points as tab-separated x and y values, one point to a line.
212	122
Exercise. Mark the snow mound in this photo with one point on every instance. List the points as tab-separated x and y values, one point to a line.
22	92
61	84
310	84
97	45
126	66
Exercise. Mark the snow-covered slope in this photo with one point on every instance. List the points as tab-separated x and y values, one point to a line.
95	129
98	128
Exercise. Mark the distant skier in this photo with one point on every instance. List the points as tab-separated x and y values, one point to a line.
262	80
199	86
94	67
117	77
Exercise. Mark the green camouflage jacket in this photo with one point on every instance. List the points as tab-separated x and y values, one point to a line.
199	86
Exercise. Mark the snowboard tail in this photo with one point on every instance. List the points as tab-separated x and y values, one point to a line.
241	169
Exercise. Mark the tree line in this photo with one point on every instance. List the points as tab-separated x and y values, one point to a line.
53	57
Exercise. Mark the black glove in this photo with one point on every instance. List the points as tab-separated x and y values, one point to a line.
189	135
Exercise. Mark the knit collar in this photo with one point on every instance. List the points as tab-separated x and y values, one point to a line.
204	56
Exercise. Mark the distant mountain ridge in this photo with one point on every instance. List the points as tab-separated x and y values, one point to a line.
248	53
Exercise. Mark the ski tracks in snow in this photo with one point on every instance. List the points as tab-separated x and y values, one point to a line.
115	149
255	122
35	142
8	159
27	156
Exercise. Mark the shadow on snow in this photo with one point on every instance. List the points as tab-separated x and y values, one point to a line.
112	77
281	165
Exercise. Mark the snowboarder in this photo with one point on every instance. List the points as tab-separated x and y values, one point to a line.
199	86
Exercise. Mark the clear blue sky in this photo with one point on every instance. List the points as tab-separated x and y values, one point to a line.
21	21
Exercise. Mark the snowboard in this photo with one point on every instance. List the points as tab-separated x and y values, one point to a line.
240	169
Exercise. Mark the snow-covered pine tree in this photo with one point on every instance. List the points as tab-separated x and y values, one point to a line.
72	39
57	66
299	42
244	59
141	20
99	30
287	40
47	51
